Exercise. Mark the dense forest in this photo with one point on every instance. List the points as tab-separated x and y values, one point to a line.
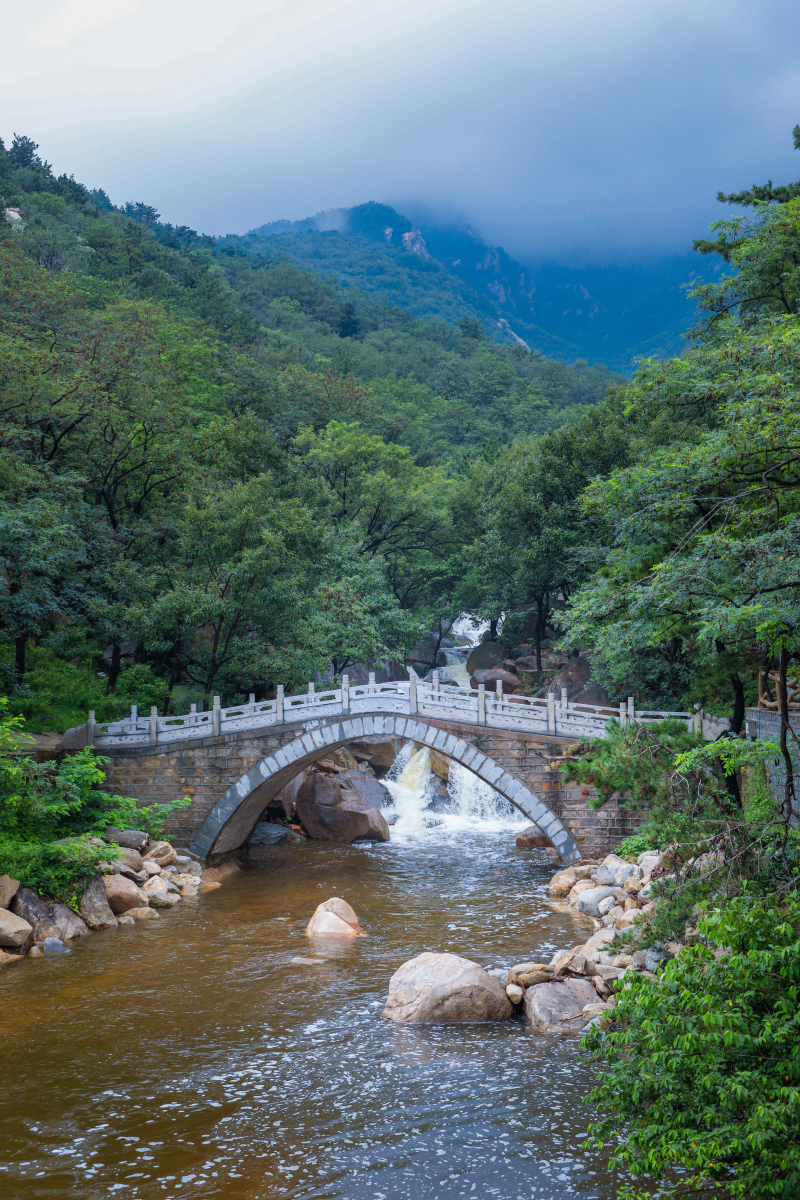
247	470
615	314
253	472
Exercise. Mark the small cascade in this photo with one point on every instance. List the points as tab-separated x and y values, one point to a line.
417	804
456	668
410	783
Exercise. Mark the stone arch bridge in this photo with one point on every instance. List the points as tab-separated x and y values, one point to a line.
232	762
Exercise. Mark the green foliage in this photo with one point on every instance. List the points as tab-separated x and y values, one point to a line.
700	1082
48	810
635	761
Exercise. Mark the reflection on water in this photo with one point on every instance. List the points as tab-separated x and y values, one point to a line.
190	1058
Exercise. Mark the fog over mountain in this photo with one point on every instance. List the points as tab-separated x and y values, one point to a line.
585	131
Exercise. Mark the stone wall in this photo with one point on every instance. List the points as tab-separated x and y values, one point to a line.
205	770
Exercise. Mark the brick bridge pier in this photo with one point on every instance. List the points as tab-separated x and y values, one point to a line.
232	777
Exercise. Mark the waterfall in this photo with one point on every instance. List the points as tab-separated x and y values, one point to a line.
417	806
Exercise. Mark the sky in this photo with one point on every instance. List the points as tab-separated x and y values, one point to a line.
575	130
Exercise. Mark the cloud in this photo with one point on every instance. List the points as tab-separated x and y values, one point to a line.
572	128
74	17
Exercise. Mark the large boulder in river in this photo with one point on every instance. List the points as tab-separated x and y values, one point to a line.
334	918
123	894
368	790
15	932
94	906
485	656
267	833
557	1007
319	788
350	821
445	988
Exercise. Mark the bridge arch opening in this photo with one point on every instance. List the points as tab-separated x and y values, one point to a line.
234	816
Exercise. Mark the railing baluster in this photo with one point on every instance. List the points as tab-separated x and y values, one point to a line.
154	726
481	703
279	705
551	712
412	691
215	716
345	693
90	728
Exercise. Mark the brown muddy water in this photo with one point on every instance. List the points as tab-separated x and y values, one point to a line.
190	1058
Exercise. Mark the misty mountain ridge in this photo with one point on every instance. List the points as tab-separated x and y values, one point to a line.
610	314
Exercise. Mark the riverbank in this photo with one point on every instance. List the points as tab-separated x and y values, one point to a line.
142	880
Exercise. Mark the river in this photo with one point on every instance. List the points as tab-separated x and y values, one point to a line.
191	1057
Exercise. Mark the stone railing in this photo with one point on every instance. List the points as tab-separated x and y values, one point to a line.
425	698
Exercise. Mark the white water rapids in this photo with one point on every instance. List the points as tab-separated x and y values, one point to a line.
417	805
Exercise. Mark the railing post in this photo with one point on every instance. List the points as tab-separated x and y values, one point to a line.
154	726
412	691
435	684
192	714
551	712
498	693
311	692
345	693
481	703
90	728
631	710
622	715
251	699
372	683
215	716
279	705
564	701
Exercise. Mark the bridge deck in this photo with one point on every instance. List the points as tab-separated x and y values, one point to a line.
528	715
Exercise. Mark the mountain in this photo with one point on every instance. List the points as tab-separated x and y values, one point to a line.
613	315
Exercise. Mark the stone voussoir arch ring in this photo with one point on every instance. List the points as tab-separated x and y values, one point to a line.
234	816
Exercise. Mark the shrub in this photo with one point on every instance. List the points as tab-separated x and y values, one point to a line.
701	1071
43	803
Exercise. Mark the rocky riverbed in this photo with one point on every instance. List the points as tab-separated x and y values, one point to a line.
142	881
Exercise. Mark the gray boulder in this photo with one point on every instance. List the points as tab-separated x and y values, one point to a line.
15	932
604	876
445	988
37	912
268	834
349	821
131	858
589	901
94	906
54	945
426	654
557	1007
368	790
130	839
68	923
